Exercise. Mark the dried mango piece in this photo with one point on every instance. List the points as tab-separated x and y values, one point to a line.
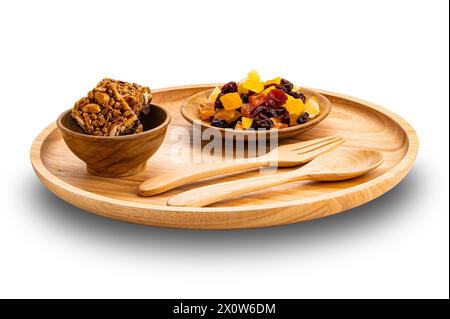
241	88
254	76
275	120
253	82
280	125
266	91
293	119
253	86
294	106
238	126
276	81
246	122
231	101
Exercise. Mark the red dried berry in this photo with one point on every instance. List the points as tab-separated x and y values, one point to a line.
276	98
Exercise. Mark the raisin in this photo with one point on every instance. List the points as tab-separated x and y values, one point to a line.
297	95
286	118
288	85
262	123
303	118
258	110
244	97
281	88
220	123
276	98
230	87
218	102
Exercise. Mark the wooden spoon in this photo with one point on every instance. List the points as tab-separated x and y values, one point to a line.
283	156
334	166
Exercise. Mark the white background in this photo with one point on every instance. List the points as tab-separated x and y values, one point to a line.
393	53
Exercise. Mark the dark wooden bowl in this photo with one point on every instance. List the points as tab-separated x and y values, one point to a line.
116	156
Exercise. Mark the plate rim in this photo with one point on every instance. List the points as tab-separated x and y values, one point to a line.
376	186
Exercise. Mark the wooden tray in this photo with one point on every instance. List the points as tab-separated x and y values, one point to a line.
363	124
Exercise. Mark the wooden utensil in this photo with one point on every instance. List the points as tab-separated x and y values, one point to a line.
363	125
334	166
189	111
283	156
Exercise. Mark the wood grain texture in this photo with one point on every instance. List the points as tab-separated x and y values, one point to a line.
362	124
189	110
337	165
288	155
116	156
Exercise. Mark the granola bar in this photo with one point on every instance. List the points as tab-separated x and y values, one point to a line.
113	108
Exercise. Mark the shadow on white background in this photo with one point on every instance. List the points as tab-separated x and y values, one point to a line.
48	211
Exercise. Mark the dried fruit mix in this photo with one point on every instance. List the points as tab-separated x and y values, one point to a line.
254	104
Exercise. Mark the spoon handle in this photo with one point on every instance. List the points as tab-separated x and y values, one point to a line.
178	177
206	195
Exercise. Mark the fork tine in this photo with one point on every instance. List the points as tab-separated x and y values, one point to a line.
319	151
302	144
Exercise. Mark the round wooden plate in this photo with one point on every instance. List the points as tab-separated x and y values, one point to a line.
363	124
189	110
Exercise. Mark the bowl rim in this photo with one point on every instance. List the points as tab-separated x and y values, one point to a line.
314	121
119	137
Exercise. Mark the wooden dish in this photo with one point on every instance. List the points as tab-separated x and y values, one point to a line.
363	124
116	156
189	110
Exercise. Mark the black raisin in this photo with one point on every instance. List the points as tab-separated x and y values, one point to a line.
220	123
281	88
218	102
288	85
244	97
303	118
297	95
230	87
286	118
262	123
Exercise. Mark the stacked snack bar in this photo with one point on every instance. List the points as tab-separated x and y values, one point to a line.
113	108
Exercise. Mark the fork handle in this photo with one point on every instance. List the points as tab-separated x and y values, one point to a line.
206	195
178	177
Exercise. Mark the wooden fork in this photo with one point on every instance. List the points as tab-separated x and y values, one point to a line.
283	156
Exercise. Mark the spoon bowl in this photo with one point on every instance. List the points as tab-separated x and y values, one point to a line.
340	165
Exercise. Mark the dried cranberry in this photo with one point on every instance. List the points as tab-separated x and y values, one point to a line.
303	118
288	85
297	95
220	123
230	87
276	98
